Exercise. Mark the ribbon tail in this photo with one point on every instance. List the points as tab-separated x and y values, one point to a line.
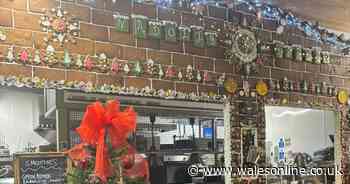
103	168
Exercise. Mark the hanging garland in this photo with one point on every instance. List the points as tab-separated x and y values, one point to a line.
89	87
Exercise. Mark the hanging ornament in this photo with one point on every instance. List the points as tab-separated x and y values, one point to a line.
50	57
79	61
102	62
137	69
63	28
179	76
126	68
37	57
10	57
189	72
160	71
150	67
170	72
24	56
67	60
198	76
88	64
115	65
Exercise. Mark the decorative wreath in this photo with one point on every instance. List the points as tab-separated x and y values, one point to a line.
244	45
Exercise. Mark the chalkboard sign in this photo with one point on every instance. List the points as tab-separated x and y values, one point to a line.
41	168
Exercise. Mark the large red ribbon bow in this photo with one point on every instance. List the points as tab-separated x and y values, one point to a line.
98	121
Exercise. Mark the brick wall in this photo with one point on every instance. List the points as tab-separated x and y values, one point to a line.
97	34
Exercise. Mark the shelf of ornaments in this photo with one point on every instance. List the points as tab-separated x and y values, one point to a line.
103	64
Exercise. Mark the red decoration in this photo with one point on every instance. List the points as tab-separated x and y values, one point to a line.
115	66
100	121
170	72
135	166
24	56
88	64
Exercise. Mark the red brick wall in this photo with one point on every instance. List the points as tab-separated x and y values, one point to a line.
98	34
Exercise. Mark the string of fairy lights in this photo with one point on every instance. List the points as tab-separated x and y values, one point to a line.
265	10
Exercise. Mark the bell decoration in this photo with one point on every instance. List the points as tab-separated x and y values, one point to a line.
126	68
50	57
160	71
189	72
150	67
285	84
37	57
88	64
67	60
10	54
137	69
24	56
102	62
79	62
180	76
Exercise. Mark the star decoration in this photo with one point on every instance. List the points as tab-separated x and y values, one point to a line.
63	28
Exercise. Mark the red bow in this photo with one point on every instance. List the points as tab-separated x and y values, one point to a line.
98	121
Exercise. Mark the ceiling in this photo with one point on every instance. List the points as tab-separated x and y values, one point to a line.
332	14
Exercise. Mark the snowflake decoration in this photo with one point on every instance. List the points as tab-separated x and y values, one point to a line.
61	27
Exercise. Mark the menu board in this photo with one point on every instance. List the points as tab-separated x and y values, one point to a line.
42	168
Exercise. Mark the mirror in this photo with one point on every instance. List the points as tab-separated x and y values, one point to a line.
302	138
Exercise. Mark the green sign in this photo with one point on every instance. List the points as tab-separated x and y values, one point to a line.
140	26
122	23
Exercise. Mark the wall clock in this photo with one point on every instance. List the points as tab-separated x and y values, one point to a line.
244	46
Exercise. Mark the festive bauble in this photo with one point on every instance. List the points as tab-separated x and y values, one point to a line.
261	88
343	96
